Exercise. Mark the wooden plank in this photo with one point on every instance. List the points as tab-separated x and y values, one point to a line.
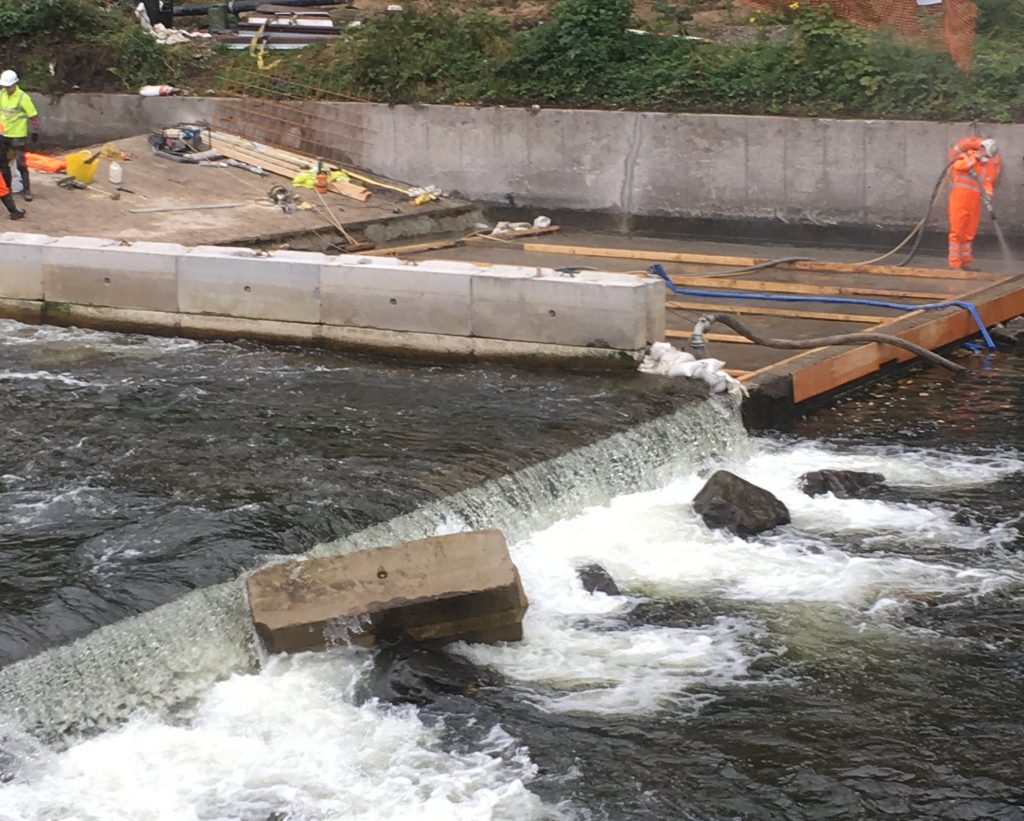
349	189
487	239
655	255
886	270
723	307
946	327
798	288
742	340
414	248
346	189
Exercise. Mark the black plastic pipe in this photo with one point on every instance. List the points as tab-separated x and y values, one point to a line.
252	5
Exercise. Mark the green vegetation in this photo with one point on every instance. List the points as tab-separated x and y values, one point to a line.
802	61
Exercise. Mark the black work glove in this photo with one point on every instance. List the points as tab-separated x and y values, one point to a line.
35	136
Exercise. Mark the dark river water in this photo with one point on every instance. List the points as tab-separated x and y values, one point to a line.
866	661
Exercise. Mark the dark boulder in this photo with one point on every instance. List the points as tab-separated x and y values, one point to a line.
411	673
729	502
843	484
595	579
1009	333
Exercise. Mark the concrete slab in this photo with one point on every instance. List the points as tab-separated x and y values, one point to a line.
160	183
547	307
21	265
97	271
373	292
462	586
241	283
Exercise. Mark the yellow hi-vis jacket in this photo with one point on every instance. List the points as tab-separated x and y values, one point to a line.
15	111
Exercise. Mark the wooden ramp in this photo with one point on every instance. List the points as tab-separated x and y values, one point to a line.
794	376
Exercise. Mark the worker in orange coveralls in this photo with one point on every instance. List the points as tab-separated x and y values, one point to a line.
8	201
974	168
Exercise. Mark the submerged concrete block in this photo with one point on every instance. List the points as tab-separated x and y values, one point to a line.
462	586
108	273
21	265
590	310
240	282
432	296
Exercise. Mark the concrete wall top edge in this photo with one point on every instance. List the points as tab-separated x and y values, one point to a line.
18	238
172	105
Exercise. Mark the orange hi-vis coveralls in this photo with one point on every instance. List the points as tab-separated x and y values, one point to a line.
970	173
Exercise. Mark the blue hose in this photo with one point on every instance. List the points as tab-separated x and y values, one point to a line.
970	307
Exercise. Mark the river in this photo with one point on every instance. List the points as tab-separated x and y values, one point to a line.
863	662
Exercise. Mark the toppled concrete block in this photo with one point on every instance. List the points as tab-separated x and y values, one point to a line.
459	587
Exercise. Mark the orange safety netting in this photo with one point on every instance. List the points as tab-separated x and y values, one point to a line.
949	23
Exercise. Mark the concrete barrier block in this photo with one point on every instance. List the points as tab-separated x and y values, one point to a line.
21	265
845	177
538	305
432	296
239	282
106	272
462	586
710	182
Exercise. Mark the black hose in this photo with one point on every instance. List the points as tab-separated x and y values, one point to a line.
857	338
923	225
771	263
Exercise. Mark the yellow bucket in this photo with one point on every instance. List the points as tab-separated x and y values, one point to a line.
80	169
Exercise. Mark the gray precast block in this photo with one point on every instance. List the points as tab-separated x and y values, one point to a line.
432	296
21	265
766	166
693	165
539	305
240	282
927	147
805	170
886	179
108	273
845	181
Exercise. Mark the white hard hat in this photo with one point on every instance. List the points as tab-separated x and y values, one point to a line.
991	146
9	78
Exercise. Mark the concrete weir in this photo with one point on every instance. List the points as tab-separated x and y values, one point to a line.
432	307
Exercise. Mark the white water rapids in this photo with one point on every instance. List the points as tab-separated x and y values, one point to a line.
292	740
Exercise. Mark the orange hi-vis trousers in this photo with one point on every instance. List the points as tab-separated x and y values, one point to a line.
964	216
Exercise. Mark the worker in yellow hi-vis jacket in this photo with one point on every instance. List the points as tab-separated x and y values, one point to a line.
19	119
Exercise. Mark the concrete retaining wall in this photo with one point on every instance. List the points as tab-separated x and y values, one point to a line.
371	303
856	173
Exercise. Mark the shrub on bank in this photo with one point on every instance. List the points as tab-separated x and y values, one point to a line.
804	61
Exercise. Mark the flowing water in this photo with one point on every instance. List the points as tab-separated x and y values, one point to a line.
864	662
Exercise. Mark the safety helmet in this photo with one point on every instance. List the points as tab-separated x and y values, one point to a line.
9	78
991	146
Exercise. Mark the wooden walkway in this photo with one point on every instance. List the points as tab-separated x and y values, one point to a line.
796	376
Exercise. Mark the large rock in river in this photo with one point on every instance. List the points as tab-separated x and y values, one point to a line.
729	502
844	484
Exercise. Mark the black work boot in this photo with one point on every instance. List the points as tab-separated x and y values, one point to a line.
26	191
15	212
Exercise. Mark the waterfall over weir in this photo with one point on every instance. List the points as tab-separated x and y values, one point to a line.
166	657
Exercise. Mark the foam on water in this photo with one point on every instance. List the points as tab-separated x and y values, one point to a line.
292	738
41	376
17	333
653	543
288	741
